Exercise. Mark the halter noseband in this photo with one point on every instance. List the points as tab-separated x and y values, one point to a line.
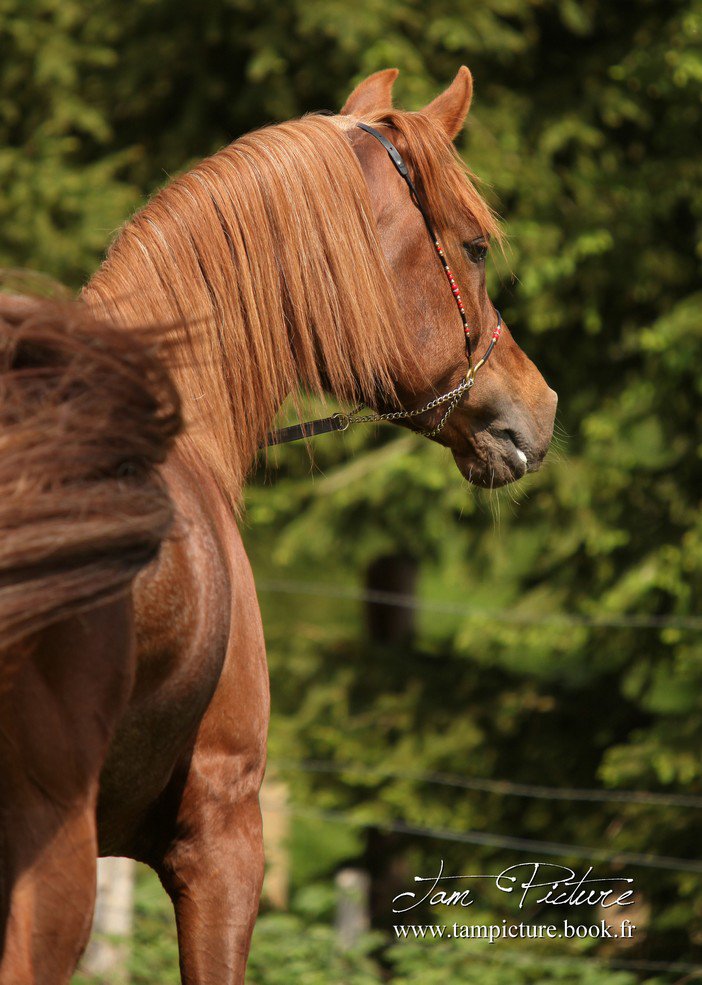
340	422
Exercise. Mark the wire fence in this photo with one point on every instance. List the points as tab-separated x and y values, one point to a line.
514	617
505	788
493	840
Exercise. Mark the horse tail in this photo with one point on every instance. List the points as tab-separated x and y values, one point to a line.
87	412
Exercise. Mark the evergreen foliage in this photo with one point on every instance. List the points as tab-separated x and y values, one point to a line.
586	124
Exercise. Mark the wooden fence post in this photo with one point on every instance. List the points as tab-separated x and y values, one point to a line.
276	832
107	954
352	909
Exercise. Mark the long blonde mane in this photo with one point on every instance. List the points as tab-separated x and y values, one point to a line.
269	251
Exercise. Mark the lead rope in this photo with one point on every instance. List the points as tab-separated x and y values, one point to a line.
340	421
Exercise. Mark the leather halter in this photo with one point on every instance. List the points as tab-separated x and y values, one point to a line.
339	421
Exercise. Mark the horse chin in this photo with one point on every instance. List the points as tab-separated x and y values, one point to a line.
490	471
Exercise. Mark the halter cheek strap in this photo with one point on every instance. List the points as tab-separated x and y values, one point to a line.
401	167
403	170
451	399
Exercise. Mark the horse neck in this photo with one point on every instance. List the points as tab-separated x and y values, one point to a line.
268	252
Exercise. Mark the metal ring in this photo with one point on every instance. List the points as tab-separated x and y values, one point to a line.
344	419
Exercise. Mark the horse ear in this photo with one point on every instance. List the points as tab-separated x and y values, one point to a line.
450	109
372	95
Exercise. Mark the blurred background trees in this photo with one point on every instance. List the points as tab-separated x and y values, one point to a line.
550	634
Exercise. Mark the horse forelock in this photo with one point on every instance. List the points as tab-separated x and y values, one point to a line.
269	251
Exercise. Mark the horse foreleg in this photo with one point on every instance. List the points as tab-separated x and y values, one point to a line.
213	874
58	710
49	863
213	865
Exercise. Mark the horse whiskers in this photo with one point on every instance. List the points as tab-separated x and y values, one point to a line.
512	494
559	428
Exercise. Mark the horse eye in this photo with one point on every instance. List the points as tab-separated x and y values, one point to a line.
477	250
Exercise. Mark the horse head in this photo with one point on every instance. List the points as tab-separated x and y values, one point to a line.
500	427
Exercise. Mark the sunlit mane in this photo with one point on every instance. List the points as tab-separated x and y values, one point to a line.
269	249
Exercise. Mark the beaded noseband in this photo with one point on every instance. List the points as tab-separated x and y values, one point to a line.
449	400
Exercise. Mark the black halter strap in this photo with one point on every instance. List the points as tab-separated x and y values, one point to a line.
403	171
340	422
399	162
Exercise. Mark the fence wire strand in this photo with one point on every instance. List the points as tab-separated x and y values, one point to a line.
505	788
400	600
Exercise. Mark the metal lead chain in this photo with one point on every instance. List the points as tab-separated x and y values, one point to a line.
451	399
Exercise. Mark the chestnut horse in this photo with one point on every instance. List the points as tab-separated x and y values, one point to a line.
302	260
86	413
